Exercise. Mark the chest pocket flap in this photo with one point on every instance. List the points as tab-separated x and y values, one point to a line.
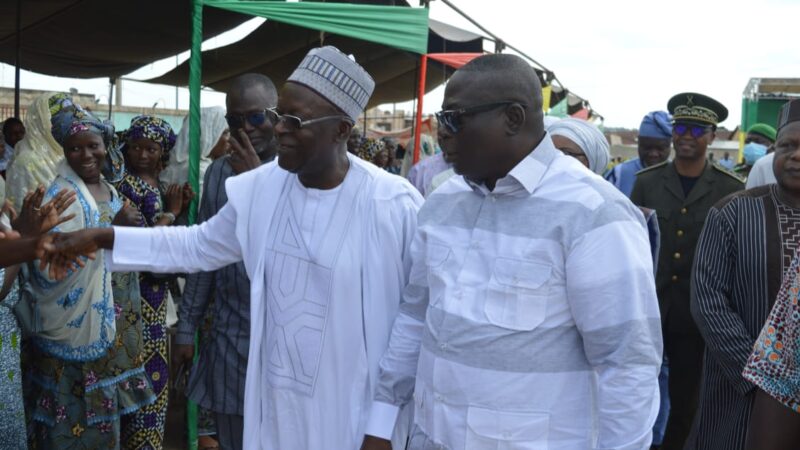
519	273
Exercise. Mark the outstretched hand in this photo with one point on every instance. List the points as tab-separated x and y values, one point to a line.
66	252
34	220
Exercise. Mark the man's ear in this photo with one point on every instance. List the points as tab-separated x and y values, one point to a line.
515	118
343	131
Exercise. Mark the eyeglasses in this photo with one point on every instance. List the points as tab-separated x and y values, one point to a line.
451	118
697	130
294	123
255	119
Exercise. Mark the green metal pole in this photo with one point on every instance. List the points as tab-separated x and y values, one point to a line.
195	79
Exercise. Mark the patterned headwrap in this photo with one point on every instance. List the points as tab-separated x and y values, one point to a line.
369	148
156	129
68	118
588	137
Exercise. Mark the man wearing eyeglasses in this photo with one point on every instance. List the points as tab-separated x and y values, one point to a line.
324	238
682	191
217	380
530	320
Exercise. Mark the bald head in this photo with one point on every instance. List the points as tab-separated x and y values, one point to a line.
248	95
247	81
496	118
507	77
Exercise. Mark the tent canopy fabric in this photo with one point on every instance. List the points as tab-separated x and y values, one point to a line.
455	60
275	49
365	22
98	38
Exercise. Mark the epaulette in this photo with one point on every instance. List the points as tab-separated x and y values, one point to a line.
728	173
653	167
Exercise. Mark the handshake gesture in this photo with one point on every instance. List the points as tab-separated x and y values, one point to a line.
33	234
61	253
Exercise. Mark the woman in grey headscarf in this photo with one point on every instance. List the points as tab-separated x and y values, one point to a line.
583	141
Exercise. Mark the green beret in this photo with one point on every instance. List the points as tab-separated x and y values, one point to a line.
764	130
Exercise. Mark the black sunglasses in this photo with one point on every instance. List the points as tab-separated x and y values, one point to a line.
450	119
294	123
255	119
697	130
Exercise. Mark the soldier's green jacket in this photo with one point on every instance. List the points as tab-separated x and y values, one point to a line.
681	220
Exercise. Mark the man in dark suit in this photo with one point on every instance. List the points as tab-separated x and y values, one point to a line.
682	191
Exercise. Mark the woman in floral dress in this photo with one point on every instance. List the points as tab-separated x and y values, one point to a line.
147	146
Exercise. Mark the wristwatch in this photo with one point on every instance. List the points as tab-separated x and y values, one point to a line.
168	215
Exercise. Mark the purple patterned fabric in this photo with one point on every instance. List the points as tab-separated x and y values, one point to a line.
146	427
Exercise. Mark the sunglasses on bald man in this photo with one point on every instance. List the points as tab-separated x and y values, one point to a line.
450	119
255	119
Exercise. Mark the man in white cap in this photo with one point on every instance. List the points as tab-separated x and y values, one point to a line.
324	238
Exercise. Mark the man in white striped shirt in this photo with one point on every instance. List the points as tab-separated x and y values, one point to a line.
530	320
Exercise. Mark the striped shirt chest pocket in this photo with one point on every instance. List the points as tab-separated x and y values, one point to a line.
517	294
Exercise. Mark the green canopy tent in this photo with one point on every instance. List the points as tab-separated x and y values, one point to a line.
275	49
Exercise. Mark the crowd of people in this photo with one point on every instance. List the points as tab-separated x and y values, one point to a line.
516	288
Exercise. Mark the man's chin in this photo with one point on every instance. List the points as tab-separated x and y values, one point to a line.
689	154
288	165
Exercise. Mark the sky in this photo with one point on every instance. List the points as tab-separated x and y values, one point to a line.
626	57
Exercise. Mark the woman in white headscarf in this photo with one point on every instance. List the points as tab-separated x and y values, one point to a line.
213	142
36	156
583	141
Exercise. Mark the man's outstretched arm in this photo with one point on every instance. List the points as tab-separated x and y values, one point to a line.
204	247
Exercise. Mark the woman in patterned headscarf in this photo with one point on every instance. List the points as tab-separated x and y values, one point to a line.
37	155
147	147
86	337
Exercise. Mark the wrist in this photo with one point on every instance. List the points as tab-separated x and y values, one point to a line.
103	237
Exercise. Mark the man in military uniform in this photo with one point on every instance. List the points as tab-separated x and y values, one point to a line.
682	191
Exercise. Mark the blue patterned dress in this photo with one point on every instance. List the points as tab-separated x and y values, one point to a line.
12	411
78	405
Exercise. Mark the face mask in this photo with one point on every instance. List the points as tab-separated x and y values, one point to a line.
753	152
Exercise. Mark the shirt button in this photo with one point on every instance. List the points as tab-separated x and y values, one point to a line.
684	211
674	278
443	346
680	233
677	256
